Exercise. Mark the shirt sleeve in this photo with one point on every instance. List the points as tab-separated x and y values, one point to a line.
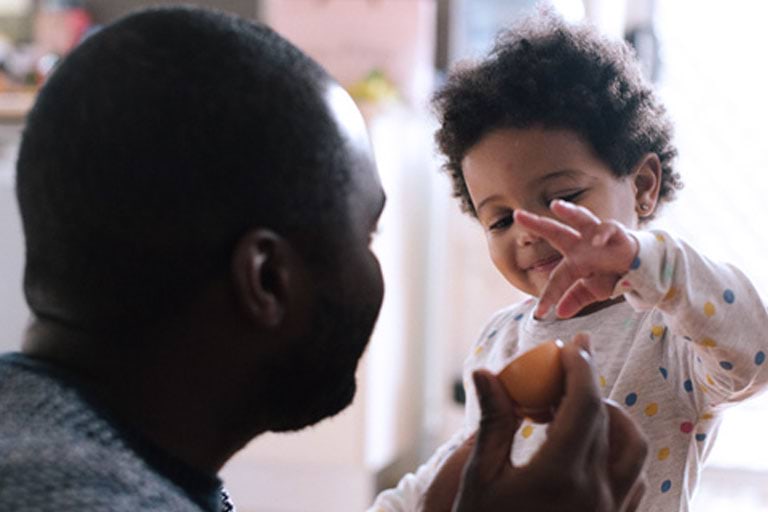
712	307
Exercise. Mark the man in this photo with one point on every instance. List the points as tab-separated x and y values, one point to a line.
198	199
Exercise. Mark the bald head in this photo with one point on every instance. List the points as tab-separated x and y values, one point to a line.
155	145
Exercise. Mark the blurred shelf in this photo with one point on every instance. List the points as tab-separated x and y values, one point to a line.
15	104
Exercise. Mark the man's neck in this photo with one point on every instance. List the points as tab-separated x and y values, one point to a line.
171	392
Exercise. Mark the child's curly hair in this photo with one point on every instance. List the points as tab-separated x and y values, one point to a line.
547	73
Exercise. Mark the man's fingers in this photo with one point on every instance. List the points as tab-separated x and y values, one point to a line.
581	340
498	424
581	419
560	236
441	494
628	449
636	494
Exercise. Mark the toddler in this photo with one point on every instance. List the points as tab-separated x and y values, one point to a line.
563	153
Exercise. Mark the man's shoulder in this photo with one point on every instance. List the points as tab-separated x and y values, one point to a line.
42	474
35	401
59	453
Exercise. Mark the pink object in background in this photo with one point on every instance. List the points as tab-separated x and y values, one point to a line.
352	38
57	31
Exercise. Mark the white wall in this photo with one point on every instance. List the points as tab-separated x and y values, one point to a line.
13	310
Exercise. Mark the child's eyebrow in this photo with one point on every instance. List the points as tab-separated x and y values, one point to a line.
488	199
565	173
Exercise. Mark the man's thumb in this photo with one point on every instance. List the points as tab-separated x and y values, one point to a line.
498	424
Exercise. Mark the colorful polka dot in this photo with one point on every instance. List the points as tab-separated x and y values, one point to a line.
709	342
729	296
709	309
726	365
707	416
668	272
666	485
759	358
657	331
519	317
527	431
701	437
631	399
663	372
652	409
686	427
491	334
660	238
603	382
671	294
626	284
663	454
478	350
710	381
635	263
688	385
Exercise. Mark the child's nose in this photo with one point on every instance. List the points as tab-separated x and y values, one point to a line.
525	237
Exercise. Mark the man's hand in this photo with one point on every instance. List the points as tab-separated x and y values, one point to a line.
591	461
595	254
444	488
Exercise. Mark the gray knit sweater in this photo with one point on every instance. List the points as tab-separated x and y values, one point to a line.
60	452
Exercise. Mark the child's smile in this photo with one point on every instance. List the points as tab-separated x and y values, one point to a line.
545	265
511	169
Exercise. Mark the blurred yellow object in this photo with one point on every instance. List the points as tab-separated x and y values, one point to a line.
375	88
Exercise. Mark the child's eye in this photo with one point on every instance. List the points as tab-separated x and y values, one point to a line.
503	222
571	197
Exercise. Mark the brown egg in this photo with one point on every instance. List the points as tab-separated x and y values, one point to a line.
535	380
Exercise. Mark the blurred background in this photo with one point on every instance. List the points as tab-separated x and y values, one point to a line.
705	58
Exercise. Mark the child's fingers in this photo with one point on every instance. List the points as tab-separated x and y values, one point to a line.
561	236
584	292
578	217
603	233
576	298
560	280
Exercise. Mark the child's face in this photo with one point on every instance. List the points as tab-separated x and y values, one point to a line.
511	169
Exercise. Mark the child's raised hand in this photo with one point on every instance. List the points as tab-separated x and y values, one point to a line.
595	254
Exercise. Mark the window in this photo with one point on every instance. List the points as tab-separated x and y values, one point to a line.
713	82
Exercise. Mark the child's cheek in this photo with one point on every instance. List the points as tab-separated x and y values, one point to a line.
504	259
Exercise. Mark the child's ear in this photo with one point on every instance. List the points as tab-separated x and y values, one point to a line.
647	184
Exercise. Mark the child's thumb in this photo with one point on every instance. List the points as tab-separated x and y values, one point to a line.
498	424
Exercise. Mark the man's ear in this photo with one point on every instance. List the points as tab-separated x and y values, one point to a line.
647	184
265	271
